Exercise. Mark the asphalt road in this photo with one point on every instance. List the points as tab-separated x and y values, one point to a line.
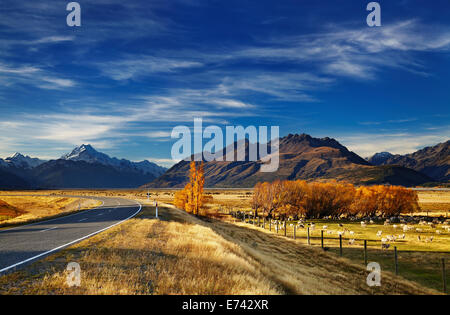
24	244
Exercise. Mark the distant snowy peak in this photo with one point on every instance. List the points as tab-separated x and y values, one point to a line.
87	153
22	161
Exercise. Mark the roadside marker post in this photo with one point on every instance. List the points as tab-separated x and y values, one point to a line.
156	205
309	242
340	245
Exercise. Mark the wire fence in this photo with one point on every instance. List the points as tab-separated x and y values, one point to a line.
412	265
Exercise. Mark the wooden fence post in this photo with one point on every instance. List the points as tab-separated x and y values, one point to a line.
340	245
365	252
285	228
321	239
264	223
295	231
309	242
270	224
396	260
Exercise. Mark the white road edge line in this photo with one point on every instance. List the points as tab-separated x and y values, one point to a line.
82	220
55	227
70	243
64	216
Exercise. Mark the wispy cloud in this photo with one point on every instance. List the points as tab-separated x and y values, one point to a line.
34	76
132	67
367	144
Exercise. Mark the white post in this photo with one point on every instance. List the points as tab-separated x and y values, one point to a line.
156	204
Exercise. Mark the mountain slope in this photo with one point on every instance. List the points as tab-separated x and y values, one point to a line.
301	157
81	174
432	161
380	158
9	180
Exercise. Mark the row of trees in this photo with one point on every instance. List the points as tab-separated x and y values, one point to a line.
191	198
315	200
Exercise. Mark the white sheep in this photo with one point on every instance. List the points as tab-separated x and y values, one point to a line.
379	233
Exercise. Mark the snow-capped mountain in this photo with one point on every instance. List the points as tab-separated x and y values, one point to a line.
87	153
21	161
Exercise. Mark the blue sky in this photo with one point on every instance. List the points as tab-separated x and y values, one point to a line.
136	69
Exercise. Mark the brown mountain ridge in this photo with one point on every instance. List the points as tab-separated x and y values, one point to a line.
301	157
433	161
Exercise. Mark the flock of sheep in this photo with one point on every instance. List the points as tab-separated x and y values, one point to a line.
437	226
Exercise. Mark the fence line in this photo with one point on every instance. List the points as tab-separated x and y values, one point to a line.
253	221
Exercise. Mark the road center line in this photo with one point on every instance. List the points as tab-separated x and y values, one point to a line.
55	227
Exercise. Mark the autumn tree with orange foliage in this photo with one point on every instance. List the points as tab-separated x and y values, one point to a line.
191	198
316	200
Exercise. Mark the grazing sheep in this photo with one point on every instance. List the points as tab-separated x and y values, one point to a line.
384	240
379	233
394	226
341	232
438	232
402	236
418	238
371	221
329	232
419	230
352	233
385	246
351	242
341	225
324	227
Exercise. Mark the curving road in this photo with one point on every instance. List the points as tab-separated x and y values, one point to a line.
24	244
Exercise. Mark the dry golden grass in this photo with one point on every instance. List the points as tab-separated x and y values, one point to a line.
174	255
34	208
435	203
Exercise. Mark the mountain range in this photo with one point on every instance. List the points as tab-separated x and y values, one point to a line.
432	161
301	157
84	167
